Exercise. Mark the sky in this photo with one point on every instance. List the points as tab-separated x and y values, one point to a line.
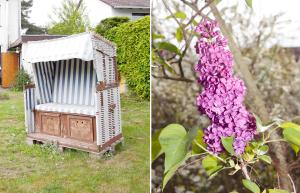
42	9
263	8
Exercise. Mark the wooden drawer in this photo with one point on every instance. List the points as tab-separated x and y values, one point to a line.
50	123
80	128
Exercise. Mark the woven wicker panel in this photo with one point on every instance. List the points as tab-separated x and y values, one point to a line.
117	114
102	124
103	54
29	105
98	64
111	71
106	48
114	115
111	112
108	115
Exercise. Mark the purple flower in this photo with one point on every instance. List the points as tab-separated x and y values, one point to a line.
223	93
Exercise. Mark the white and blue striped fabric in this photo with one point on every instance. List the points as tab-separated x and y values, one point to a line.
74	83
29	104
69	82
44	78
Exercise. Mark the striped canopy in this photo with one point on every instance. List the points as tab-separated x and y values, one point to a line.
65	70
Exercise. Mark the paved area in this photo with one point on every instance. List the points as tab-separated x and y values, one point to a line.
2	89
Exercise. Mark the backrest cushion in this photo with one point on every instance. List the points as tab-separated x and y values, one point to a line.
74	82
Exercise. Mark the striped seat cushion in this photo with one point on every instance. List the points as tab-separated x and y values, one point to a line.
66	108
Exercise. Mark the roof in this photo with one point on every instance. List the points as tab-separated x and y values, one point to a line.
75	46
27	38
143	4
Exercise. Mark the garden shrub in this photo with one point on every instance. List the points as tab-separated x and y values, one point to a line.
133	45
109	23
22	78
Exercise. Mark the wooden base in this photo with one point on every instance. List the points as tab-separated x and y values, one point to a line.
63	143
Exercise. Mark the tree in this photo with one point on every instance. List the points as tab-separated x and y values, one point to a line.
109	23
168	62
71	19
25	24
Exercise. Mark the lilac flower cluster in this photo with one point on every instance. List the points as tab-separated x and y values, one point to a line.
223	93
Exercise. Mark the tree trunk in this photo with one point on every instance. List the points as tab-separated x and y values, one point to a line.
257	105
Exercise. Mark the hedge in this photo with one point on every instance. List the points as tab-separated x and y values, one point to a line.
109	23
133	42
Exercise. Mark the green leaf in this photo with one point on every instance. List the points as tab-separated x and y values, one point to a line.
266	159
172	171
231	163
295	148
259	126
179	34
214	171
158	36
199	139
160	60
289	125
278	191
156	150
251	186
216	2
179	14
291	132
249	3
175	142
169	47
233	192
248	156
228	144
262	150
195	23
210	164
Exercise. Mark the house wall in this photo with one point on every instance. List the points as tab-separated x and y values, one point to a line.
98	11
128	12
10	22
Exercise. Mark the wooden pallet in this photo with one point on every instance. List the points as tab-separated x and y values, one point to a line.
66	143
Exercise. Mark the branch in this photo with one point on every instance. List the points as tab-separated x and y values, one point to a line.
257	101
173	78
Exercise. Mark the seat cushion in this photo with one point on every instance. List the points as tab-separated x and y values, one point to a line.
65	108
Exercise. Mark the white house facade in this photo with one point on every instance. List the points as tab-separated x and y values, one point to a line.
10	22
102	9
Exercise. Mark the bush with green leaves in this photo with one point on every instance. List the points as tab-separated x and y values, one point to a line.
179	146
217	147
109	23
133	45
22	79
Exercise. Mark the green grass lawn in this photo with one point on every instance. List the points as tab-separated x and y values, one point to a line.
43	169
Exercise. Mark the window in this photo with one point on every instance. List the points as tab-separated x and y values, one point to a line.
136	16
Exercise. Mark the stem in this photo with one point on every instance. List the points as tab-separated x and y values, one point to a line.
279	156
293	184
269	133
244	170
275	140
204	149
